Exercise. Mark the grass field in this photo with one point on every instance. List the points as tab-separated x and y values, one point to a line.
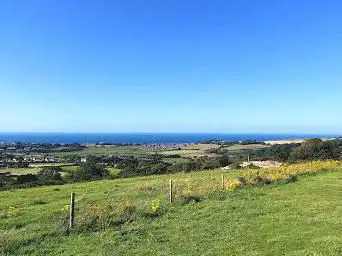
114	171
109	150
21	171
33	169
186	151
300	218
176	160
246	147
191	150
49	164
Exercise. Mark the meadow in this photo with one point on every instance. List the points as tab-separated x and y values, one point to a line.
296	218
109	150
21	171
246	147
34	169
192	150
195	150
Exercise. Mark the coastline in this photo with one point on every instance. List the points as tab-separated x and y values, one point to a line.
291	141
154	138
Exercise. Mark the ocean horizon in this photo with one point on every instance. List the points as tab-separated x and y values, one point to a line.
146	138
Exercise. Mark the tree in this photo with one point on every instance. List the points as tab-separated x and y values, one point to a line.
317	149
27	178
90	170
50	175
224	161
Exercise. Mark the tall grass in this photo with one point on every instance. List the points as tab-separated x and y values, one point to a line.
283	174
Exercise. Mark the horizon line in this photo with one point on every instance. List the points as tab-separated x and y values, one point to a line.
167	132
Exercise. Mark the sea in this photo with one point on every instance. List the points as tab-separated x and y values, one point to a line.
146	138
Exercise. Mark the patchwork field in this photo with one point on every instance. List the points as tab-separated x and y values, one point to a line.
184	151
109	150
191	150
299	218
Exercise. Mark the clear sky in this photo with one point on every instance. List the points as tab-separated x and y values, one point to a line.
171	66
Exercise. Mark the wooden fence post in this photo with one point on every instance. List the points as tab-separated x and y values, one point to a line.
222	182
72	211
171	191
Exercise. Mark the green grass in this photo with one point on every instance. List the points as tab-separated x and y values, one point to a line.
114	171
71	168
191	150
50	164
21	171
301	218
109	150
246	147
176	160
33	169
186	151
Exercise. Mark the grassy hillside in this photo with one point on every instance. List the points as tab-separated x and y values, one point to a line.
300	218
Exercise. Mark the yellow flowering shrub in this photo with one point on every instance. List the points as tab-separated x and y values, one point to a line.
275	177
233	184
284	174
65	208
97	210
10	212
13	212
155	206
126	208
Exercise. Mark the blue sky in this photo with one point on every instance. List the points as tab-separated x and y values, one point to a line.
171	66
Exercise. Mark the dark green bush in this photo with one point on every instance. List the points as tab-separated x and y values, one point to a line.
50	175
191	199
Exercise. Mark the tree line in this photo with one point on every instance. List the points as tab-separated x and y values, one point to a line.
311	149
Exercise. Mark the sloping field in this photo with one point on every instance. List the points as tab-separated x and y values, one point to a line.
21	171
299	218
191	150
246	147
109	150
